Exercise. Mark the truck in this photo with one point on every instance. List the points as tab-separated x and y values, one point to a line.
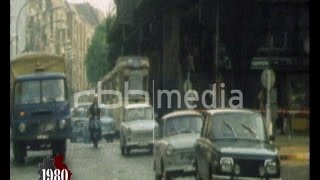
40	110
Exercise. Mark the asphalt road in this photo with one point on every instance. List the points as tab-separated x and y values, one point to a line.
106	163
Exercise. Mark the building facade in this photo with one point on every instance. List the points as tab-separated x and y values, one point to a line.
17	33
224	38
61	28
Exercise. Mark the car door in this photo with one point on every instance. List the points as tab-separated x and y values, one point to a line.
200	150
157	148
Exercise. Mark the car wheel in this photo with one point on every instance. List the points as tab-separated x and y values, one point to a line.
151	150
122	150
122	146
209	176
158	177
166	176
127	151
19	151
198	177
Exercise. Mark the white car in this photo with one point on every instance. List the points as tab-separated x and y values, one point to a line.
174	151
138	128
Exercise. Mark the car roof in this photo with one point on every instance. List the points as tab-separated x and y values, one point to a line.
229	110
180	113
132	106
104	106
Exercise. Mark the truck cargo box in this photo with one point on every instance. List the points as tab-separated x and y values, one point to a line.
29	63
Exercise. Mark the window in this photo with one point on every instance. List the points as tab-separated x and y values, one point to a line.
139	114
183	124
238	125
53	90
27	92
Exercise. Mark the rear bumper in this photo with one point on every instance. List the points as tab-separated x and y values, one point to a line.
220	177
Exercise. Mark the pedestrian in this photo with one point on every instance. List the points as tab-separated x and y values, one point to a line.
190	59
94	114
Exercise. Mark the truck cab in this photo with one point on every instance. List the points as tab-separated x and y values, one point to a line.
40	110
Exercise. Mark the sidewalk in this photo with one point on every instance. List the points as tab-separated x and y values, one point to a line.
294	148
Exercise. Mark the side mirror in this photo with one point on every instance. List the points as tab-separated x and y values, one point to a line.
272	137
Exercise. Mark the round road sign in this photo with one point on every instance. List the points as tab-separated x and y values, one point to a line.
264	78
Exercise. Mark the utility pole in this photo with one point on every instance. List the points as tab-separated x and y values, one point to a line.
217	78
122	45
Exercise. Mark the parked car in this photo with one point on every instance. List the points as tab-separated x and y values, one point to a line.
174	150
138	128
107	123
234	144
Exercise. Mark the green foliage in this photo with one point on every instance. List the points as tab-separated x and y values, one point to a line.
98	61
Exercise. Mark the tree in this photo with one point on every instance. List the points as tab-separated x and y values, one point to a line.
97	59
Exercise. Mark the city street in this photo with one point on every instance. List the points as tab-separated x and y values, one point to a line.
106	163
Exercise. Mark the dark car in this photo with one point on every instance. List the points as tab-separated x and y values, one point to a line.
80	123
107	123
234	144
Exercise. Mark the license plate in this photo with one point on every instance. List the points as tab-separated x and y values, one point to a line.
42	137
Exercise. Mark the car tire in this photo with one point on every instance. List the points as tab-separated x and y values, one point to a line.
158	177
19	151
166	176
197	173
209	176
122	150
122	146
127	151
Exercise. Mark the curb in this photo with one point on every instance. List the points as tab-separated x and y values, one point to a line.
295	156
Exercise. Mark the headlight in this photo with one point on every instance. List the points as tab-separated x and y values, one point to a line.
22	127
169	150
62	124
226	164
271	166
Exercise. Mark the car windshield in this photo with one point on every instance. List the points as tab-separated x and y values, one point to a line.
29	92
238	126
81	112
139	114
183	124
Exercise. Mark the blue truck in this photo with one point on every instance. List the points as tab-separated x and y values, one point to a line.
40	110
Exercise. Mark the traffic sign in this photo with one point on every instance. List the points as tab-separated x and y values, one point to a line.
264	78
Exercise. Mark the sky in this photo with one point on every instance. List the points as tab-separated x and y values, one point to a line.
104	5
